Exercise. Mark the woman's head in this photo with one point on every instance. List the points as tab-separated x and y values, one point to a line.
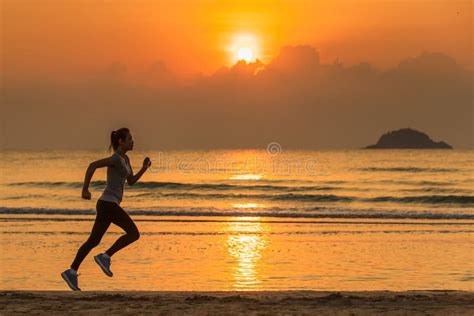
121	138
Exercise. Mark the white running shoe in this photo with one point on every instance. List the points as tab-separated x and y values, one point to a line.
70	276
104	261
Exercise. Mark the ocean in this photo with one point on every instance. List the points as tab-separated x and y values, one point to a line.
248	220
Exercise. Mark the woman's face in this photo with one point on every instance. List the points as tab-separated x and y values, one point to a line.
127	144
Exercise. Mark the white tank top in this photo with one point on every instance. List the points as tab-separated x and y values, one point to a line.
116	176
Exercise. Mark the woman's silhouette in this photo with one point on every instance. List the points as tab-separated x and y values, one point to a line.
108	205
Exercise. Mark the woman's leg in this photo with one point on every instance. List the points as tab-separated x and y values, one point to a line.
98	230
120	218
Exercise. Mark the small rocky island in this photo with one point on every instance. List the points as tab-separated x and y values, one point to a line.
407	138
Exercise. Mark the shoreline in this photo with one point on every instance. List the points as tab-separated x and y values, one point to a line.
301	302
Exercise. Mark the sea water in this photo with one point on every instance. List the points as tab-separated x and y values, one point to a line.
247	220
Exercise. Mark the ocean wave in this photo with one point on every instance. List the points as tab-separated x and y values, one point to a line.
57	184
252	233
420	183
426	199
268	212
225	186
427	183
183	186
423	199
408	169
270	193
268	197
438	190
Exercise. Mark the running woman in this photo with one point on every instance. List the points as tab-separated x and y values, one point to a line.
108	205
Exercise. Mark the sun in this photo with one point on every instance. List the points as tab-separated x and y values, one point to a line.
244	46
245	53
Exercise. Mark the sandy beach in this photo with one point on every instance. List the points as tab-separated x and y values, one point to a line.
239	303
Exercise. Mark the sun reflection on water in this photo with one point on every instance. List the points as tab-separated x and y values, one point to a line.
248	176
245	244
247	205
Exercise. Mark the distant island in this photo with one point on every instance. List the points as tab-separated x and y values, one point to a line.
407	138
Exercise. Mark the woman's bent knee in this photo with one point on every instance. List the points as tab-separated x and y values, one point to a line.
134	235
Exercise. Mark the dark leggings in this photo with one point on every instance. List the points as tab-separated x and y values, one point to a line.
107	213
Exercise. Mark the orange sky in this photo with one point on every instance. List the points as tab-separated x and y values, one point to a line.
68	38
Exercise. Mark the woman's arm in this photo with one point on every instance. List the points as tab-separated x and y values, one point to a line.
90	172
132	179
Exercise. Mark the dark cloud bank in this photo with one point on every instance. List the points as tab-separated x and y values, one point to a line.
294	100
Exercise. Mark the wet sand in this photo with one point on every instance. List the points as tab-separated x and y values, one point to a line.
239	303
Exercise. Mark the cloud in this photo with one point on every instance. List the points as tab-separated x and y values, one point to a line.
295	59
294	100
